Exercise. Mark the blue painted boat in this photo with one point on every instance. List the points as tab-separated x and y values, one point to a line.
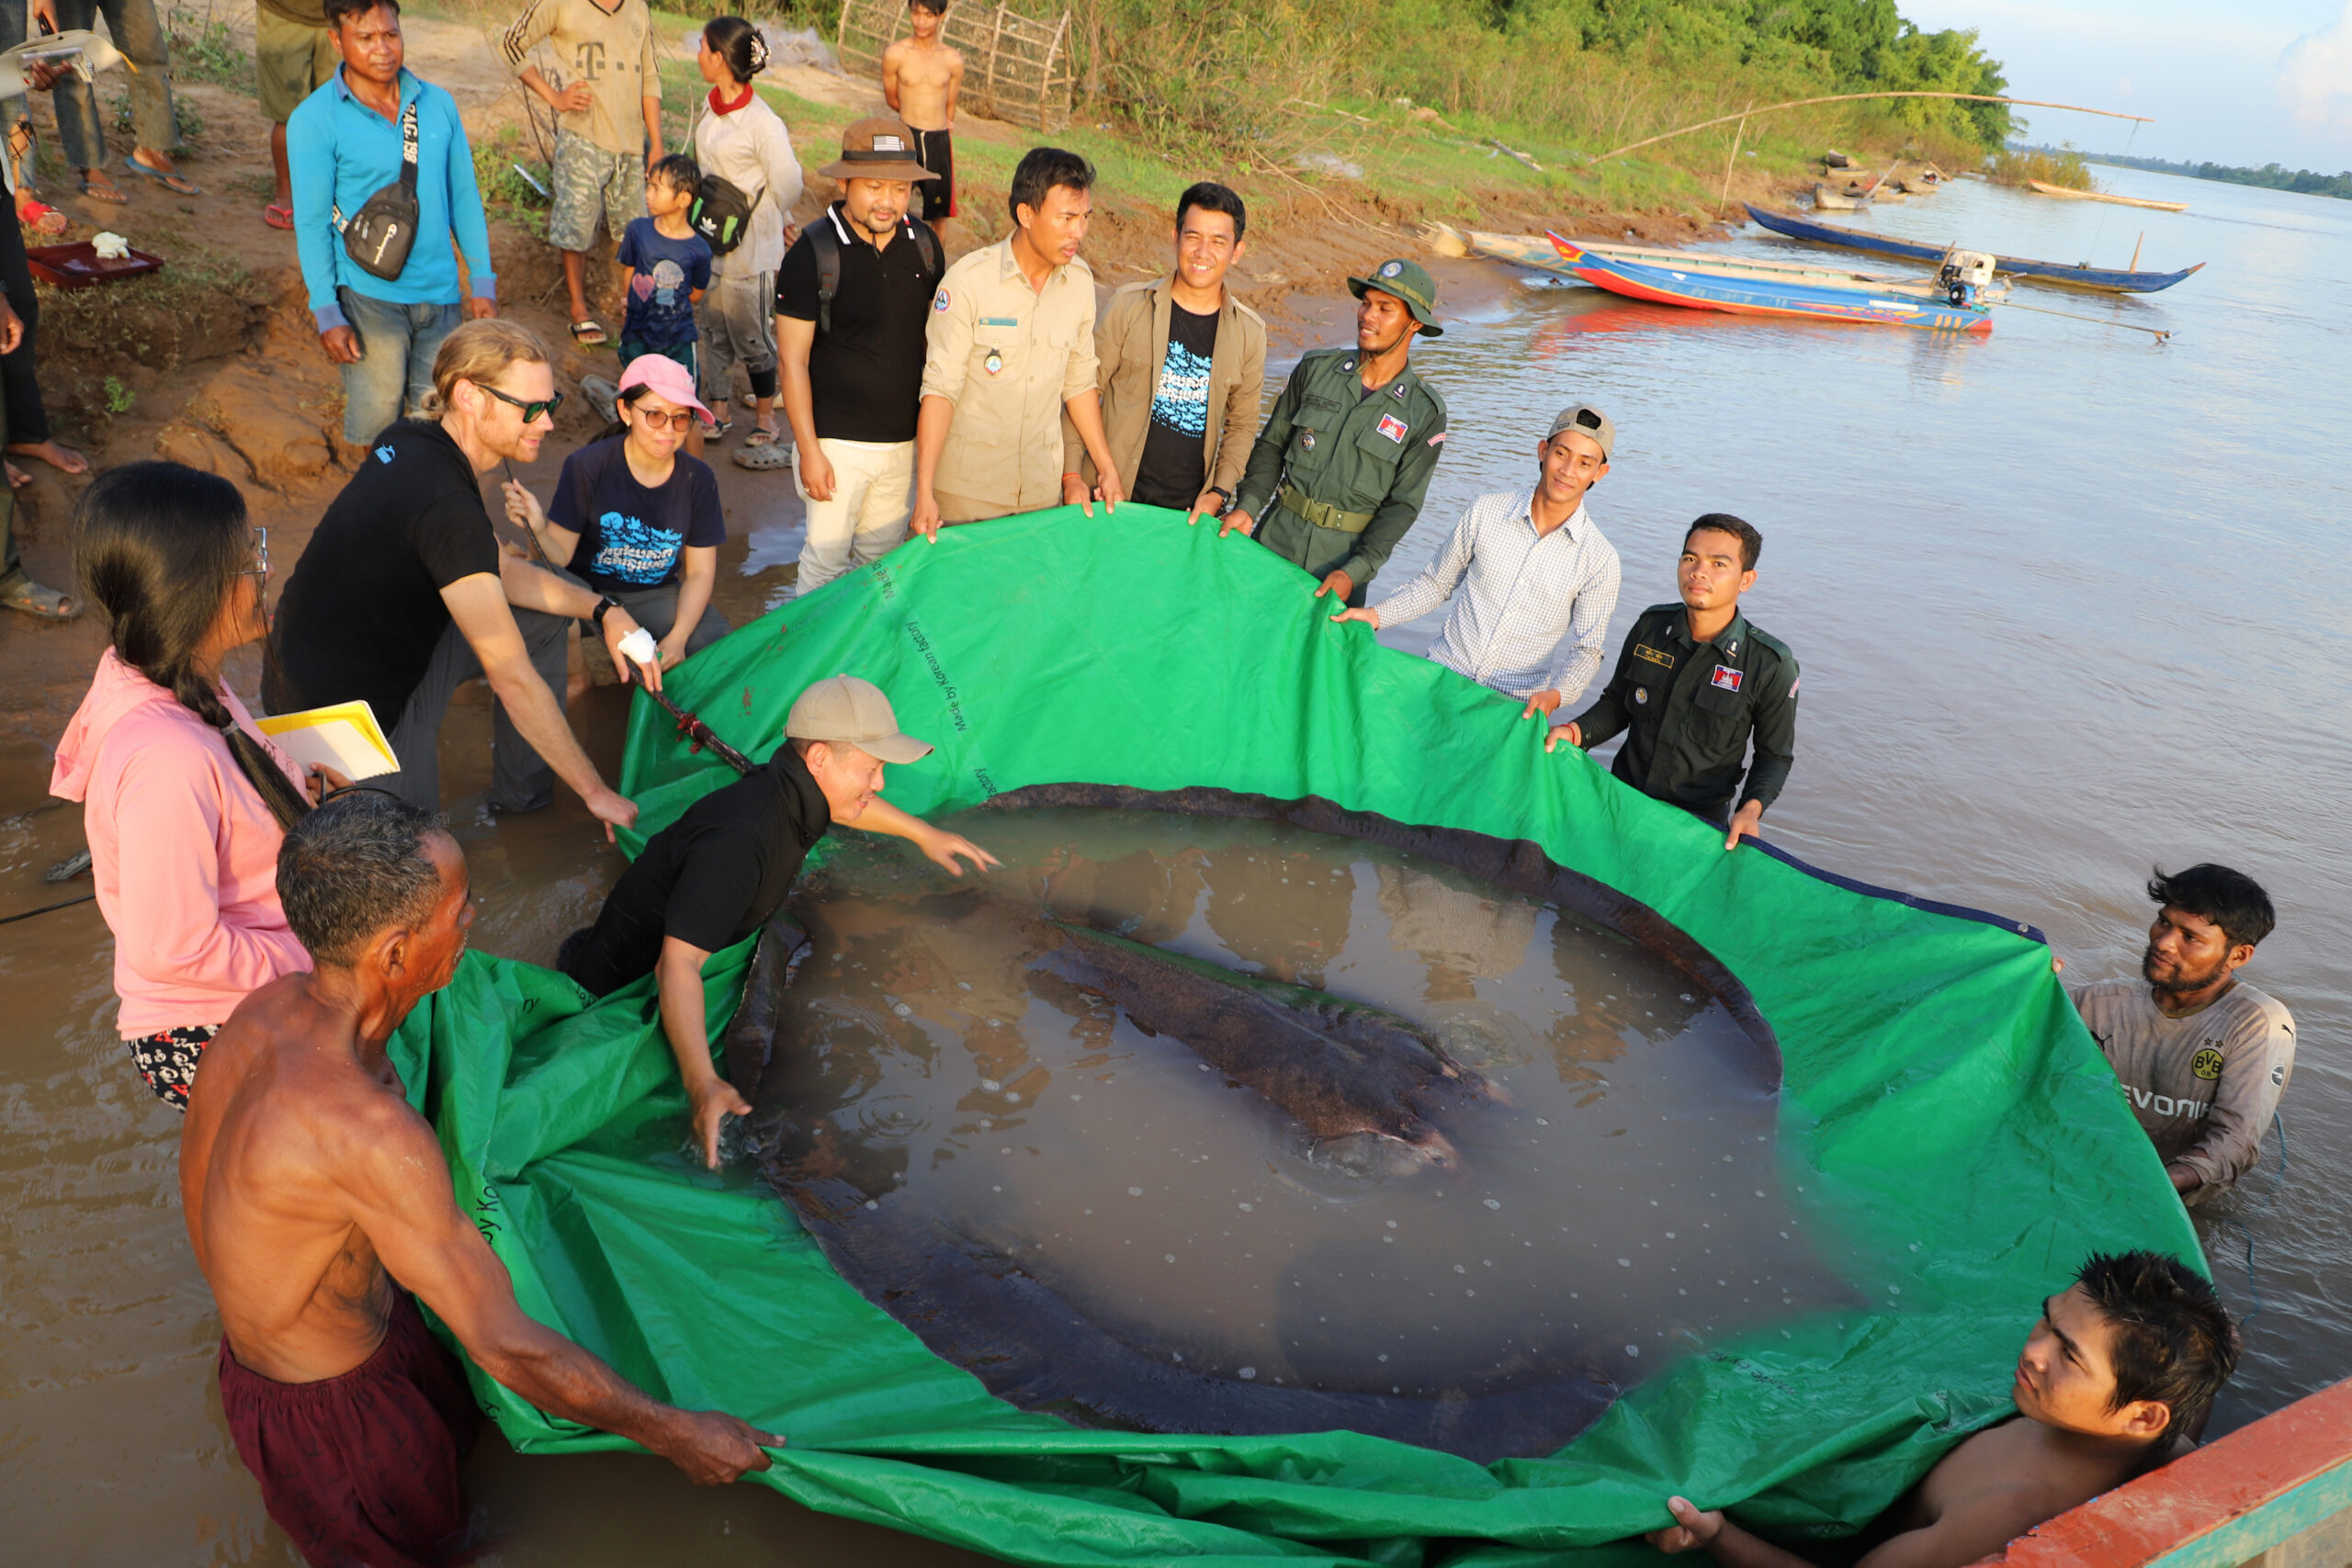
2108	281
1699	290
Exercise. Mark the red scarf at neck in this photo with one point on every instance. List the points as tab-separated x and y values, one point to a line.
728	105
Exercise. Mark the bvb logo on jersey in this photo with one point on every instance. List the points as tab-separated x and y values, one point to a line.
2206	1063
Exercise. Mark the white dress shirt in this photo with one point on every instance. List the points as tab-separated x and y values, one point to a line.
1536	609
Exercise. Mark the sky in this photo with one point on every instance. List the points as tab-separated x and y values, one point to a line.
2249	82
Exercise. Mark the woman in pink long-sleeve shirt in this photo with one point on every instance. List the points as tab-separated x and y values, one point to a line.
185	803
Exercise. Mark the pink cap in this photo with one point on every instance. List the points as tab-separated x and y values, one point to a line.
666	378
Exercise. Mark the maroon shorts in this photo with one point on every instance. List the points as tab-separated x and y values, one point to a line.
362	1469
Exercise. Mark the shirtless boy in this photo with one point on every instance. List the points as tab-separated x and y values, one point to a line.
317	1200
2120	1374
921	78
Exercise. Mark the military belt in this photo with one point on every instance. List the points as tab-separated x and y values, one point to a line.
1322	515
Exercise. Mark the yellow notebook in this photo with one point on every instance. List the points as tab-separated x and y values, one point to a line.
345	737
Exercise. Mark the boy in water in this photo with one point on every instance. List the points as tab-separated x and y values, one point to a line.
665	266
2118	1375
921	78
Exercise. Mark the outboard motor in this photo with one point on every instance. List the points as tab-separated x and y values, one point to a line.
1964	273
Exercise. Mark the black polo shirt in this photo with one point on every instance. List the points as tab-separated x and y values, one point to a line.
711	878
1690	709
362	612
865	375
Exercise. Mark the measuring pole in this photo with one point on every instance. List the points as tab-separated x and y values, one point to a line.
1733	161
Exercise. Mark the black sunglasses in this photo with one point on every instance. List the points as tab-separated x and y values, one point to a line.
531	411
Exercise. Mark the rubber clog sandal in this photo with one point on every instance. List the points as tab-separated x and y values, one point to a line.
174	182
32	599
278	215
763	458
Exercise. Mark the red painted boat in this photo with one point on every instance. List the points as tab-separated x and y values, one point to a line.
1697	287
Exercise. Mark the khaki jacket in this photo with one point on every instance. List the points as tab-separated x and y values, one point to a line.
1130	345
1007	356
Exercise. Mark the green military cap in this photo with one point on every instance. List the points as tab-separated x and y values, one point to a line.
1408	282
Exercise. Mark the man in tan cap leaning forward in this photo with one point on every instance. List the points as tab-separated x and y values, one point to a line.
721	871
850	303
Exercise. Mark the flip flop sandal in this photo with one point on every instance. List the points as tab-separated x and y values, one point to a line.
278	215
109	194
762	459
176	182
41	603
42	217
761	437
590	334
716	429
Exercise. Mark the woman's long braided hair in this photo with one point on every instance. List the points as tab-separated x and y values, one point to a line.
159	547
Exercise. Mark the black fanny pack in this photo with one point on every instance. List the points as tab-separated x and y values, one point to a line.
378	235
721	213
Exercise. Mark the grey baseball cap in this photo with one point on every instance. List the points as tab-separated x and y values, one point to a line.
847	711
1587	421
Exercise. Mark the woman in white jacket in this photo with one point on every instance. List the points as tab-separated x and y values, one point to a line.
741	141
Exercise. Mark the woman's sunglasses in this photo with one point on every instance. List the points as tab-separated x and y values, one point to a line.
676	418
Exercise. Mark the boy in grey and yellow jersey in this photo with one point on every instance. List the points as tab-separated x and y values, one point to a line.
2203	1057
1340	469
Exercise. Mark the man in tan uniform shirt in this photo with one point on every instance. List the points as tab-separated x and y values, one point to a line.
1012	345
2202	1057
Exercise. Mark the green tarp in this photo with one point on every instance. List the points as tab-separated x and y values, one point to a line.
1945	1114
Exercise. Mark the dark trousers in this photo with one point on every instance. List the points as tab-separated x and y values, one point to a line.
520	780
28	421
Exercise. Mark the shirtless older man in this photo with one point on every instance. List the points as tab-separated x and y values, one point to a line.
317	1200
2118	1375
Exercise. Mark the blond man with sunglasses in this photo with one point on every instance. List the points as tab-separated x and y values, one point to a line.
403	595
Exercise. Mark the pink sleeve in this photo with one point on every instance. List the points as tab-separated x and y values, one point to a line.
170	928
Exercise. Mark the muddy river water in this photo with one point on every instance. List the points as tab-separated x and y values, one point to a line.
959	1075
2067	604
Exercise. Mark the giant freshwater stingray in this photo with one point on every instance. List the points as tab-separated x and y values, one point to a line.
1368	1094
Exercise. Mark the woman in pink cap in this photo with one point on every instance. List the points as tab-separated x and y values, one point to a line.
637	519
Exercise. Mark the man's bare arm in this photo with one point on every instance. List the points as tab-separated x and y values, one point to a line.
390	1168
795	339
890	58
937	843
478	604
1969	1528
686	1022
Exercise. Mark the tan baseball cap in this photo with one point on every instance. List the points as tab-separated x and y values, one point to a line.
1588	422
847	711
878	149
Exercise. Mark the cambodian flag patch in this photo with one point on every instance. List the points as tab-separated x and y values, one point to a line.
1393	428
1724	677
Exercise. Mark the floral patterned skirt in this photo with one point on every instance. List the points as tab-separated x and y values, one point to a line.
167	1060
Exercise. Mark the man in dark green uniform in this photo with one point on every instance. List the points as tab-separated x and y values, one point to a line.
1340	470
1695	682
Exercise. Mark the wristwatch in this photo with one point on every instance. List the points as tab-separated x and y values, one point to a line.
1225	498
604	602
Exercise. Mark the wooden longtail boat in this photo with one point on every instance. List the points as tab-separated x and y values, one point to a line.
2047	190
1539	252
1764	294
1797	227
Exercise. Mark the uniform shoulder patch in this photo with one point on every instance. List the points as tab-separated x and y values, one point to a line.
1438	440
1393	428
939	301
1726	678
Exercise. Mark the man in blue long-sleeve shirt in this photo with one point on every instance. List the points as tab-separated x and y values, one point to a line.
343	145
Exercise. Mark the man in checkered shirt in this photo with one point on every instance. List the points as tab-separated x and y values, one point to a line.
1542	581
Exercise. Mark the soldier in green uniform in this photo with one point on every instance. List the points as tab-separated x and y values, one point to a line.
1340	470
1695	683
